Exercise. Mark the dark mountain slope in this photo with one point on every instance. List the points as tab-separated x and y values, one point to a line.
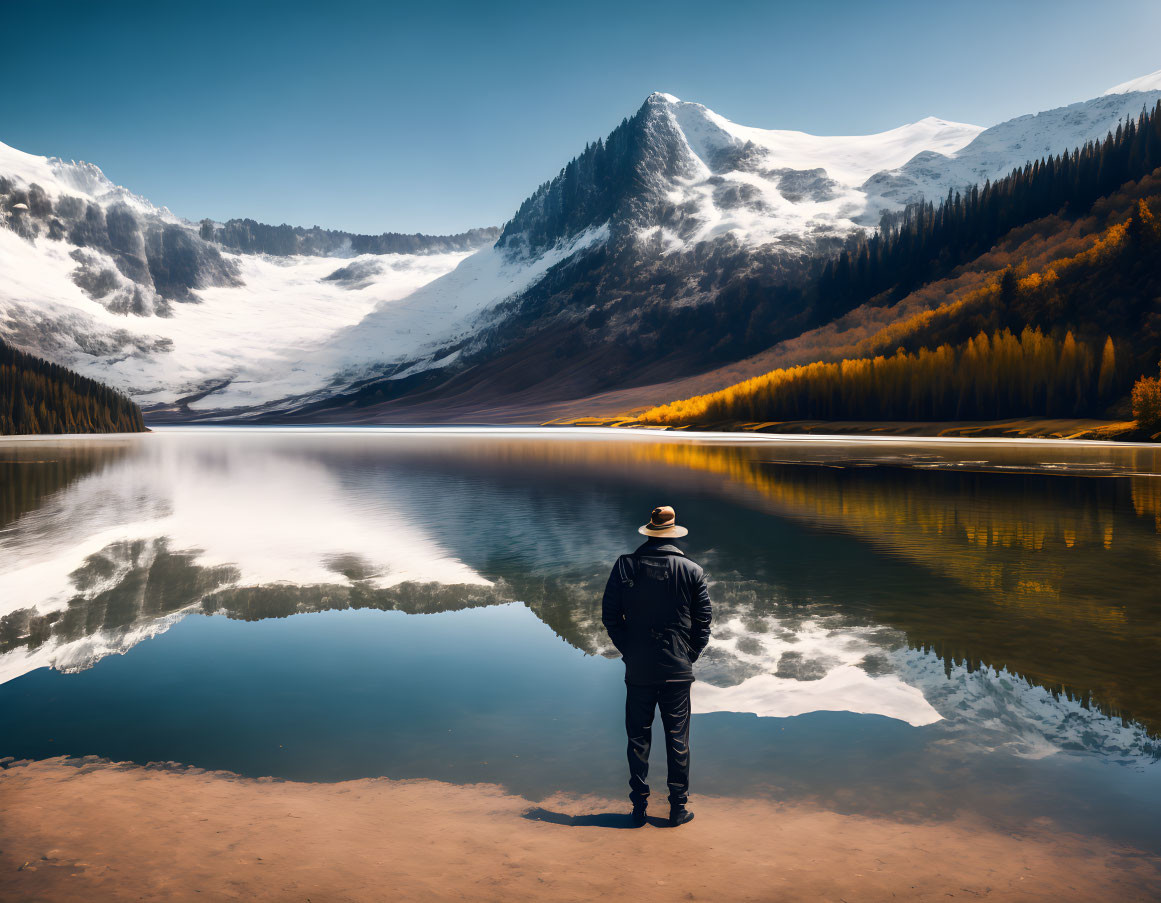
621	180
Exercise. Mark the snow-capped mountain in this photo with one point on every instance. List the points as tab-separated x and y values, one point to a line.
689	175
649	225
694	176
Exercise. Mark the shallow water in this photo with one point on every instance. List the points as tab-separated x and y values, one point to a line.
918	628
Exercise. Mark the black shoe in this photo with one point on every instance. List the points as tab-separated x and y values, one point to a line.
678	816
638	816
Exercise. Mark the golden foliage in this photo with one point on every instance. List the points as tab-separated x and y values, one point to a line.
989	376
1147	402
1102	247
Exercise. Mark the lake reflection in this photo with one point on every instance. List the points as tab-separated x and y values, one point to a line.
909	619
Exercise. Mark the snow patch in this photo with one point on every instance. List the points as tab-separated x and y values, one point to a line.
1150	82
848	158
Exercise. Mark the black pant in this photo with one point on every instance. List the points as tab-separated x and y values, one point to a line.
673	701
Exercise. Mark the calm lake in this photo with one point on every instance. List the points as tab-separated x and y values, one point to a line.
913	628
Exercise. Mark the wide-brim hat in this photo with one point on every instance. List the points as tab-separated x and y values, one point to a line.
663	522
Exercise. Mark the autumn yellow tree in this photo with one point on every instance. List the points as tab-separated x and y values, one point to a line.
1147	402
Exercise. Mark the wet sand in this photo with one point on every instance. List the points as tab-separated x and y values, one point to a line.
91	830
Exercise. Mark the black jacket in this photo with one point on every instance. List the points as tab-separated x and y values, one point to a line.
657	612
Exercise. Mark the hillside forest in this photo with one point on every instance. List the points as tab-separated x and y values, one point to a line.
39	397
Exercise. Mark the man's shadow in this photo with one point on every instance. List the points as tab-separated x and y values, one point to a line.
600	820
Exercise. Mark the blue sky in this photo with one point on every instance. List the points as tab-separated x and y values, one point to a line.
436	117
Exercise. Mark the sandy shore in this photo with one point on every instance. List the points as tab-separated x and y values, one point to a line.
94	831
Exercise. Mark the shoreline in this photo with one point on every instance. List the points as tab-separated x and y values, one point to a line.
167	831
1018	432
1113	432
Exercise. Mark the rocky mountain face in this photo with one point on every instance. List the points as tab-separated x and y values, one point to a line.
131	257
680	241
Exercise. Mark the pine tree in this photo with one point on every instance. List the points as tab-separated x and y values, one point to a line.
39	397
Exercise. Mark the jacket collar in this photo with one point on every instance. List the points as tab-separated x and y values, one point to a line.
656	546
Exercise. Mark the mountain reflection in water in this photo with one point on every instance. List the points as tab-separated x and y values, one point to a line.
1009	590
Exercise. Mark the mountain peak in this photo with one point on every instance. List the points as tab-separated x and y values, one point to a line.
1150	82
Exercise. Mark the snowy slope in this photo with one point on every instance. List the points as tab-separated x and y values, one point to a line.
60	178
1150	82
397	337
88	282
766	186
760	184
281	309
847	158
998	150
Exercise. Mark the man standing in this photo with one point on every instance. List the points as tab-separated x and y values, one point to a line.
657	612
